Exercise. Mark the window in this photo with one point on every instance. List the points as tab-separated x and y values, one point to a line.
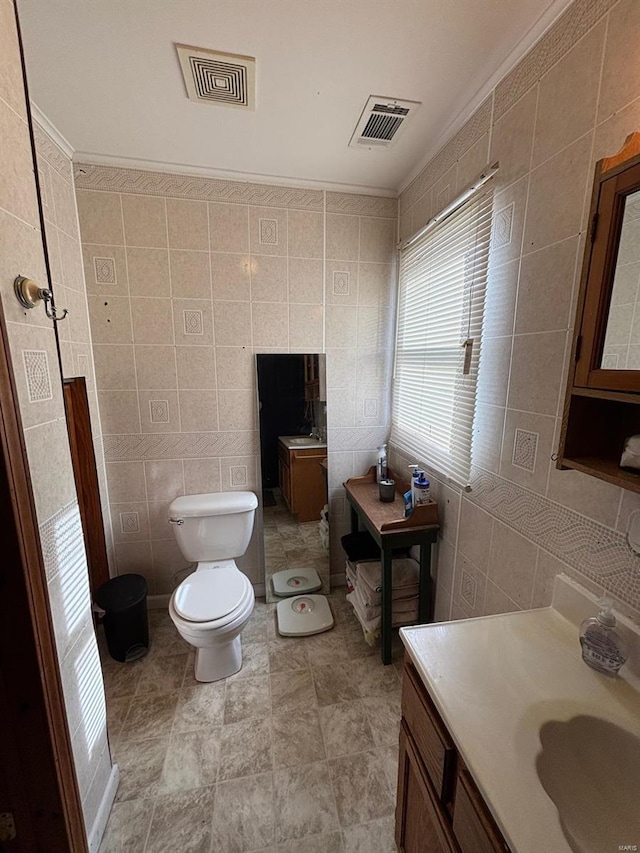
443	273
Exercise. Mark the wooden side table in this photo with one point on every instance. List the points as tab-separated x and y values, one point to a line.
391	530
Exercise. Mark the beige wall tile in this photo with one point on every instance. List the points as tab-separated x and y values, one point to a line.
159	410
235	367
145	220
587	495
343	237
341	282
546	570
130	522
469	586
230	277
192	322
341	367
233	324
268	279
376	284
187	223
496	601
152	320
546	286
114	366
110	319
474	537
512	564
472	162
305	328
568	94
135	557
341	326
445	564
105	270
267	231
629	503
100	216
17	187
500	301
374	327
487	438
527	448
611	134
229	227
126	482
512	139
199	411
238	473
21	248
11	82
509	207
557	195
167	560
119	412
159	527
341	409
493	374
620	75
449	506
164	479
148	272
373	368
190	275
237	410
377	239
270	324
196	367
306	234
305	280
536	372
64	203
155	366
50	467
71	260
36	373
201	476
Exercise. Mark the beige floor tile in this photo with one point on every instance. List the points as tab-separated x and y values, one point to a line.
335	684
245	749
121	679
116	713
128	827
292	691
191	761
150	716
163	675
166	641
345	728
243	815
361	788
327	649
200	707
373	679
255	661
325	843
383	714
140	764
182	823
246	699
297	738
304	802
375	837
285	654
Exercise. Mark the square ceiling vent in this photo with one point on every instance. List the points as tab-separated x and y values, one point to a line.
212	77
382	121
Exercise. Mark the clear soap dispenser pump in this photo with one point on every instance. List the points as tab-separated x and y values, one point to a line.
603	648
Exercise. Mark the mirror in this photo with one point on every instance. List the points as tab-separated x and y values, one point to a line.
621	349
293	459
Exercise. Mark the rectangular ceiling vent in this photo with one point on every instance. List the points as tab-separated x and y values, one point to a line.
212	77
382	121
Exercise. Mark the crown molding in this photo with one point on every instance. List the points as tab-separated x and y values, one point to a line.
62	142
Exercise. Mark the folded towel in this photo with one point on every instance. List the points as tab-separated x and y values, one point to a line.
405	573
351	575
372	626
405	593
405	607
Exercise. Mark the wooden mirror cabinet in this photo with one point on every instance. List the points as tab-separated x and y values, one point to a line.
602	404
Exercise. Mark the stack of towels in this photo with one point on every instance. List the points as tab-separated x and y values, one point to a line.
364	580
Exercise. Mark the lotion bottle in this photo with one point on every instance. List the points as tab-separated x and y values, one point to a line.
603	648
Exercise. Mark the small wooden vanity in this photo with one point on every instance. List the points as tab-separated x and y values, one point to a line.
439	809
302	480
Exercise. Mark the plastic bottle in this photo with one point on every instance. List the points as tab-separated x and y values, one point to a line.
381	469
603	648
414	474
422	490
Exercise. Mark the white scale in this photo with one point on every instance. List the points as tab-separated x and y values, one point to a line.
300	613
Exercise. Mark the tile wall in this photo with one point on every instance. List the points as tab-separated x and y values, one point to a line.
188	278
35	364
571	101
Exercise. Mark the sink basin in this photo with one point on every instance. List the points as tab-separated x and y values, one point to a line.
590	768
303	440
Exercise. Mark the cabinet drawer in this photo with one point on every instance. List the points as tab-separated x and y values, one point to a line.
473	826
429	733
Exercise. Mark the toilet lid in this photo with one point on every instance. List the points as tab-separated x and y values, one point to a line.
209	594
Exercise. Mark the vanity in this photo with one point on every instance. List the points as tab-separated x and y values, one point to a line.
302	475
509	742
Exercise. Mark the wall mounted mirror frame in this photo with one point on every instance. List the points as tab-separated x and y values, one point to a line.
602	403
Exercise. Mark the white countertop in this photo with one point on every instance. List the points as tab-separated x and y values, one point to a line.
301	442
495	681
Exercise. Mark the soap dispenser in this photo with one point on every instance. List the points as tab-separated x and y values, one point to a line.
603	648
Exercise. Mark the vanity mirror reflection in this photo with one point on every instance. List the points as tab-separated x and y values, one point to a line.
602	404
293	459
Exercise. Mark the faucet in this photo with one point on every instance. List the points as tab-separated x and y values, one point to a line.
319	434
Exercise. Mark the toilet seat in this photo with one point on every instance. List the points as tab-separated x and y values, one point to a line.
243	606
209	595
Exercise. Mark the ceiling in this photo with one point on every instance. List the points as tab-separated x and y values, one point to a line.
106	74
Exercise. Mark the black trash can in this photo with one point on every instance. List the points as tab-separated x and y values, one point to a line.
126	626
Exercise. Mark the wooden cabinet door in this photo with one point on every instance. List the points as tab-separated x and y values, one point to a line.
284	476
473	825
421	825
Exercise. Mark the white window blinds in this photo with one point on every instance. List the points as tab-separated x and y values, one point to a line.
442	286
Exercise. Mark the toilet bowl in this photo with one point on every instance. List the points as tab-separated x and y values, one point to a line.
212	605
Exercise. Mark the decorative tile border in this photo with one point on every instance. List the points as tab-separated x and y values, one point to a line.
356	438
51	153
555	43
175	445
595	551
362	205
62	540
36	369
140	181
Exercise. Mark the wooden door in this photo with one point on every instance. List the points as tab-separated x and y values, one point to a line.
86	476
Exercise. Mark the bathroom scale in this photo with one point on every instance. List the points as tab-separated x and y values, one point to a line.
295	582
303	615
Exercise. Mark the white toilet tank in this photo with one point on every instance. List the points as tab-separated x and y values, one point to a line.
214	526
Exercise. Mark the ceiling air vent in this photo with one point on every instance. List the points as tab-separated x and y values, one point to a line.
382	122
212	77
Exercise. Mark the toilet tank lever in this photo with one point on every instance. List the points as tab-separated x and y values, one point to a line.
176	521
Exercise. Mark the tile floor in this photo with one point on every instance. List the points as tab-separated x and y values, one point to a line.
297	752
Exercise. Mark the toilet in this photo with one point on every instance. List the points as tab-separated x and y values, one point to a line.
213	604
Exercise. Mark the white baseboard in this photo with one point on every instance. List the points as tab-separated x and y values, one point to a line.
158	602
104	810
